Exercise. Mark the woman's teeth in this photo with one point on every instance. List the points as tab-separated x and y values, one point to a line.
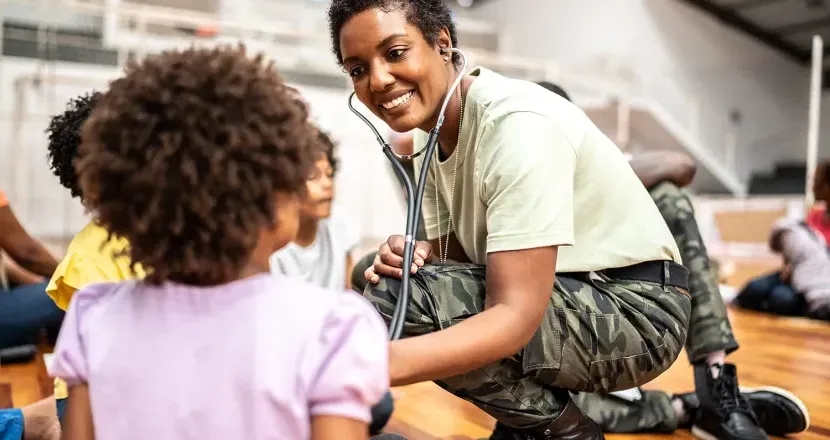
398	101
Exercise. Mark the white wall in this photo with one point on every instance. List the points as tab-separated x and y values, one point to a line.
671	47
365	184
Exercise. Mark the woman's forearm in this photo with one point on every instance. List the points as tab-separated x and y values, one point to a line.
494	334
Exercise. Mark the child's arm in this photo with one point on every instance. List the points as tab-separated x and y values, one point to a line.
336	428
77	422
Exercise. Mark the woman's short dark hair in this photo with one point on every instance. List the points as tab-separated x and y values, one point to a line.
429	16
183	157
64	134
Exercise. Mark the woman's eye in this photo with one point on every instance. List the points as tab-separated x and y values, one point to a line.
396	53
354	72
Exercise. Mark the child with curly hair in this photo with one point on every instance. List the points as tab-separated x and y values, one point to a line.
93	256
320	254
198	158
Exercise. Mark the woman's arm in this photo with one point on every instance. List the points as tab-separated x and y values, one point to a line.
77	422
22	248
519	286
337	428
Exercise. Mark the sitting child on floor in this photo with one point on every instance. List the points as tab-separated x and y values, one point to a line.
802	286
320	254
198	158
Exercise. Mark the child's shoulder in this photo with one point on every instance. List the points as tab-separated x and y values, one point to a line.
327	305
95	294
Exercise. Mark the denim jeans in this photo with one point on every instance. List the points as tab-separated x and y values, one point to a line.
24	312
771	295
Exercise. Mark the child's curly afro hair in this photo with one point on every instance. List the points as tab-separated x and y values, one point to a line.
64	134
183	157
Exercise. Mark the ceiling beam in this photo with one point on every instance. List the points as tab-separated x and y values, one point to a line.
730	18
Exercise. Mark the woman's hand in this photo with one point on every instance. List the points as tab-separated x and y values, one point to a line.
389	259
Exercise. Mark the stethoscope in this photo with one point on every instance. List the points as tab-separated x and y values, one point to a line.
413	201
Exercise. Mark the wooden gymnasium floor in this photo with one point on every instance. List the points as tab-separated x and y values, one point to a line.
789	353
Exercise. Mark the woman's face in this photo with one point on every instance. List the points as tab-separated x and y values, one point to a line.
396	74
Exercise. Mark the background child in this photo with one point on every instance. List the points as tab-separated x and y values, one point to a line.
320	254
197	158
93	255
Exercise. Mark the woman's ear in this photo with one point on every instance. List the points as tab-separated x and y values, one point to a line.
444	41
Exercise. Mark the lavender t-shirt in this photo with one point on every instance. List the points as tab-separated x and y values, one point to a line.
252	359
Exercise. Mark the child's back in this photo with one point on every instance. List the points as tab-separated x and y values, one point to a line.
198	159
240	360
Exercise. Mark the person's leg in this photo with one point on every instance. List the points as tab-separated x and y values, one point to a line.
723	412
24	311
710	333
654	412
756	294
597	335
785	301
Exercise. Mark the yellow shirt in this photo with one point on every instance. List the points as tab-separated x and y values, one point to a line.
534	171
87	262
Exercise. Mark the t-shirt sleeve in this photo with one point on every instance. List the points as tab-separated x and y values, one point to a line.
350	360
74	272
69	361
527	174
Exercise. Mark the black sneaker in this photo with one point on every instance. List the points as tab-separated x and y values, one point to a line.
778	411
723	414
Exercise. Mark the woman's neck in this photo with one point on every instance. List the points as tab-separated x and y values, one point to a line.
448	137
307	232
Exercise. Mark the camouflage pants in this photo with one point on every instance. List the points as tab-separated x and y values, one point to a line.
709	328
598	335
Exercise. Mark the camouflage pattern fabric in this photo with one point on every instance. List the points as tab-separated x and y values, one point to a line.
653	413
709	327
598	335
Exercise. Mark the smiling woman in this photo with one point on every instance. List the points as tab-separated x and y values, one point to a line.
539	286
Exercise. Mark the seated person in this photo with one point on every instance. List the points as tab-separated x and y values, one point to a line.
321	252
801	287
25	309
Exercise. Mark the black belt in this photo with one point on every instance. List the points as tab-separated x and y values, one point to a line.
660	272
